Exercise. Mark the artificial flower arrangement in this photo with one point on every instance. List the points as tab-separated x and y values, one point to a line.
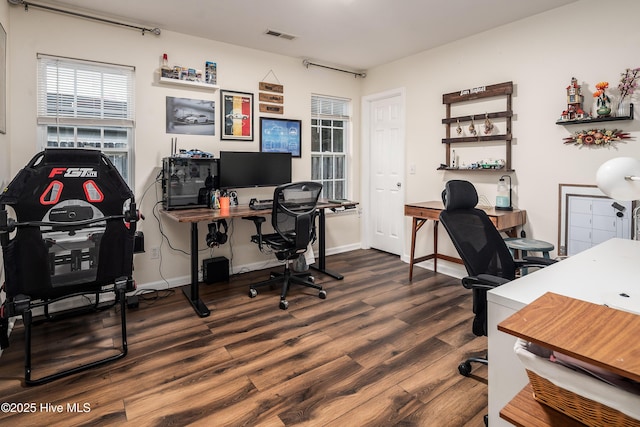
628	83
596	137
602	97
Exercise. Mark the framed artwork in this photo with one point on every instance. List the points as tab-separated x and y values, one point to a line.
281	136
580	206
190	116
236	115
3	80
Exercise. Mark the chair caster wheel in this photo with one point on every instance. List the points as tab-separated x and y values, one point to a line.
284	304
311	279
253	293
465	369
322	294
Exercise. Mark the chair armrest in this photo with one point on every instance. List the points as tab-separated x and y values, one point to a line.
257	220
529	260
483	281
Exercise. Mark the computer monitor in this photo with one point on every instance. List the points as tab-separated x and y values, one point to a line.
239	169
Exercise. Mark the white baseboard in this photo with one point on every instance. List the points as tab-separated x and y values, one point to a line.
445	267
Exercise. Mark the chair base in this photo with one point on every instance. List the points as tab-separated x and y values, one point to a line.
287	278
464	368
120	289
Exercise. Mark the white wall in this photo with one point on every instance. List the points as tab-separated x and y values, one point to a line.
587	39
240	69
539	54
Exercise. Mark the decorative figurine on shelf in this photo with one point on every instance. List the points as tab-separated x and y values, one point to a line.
488	126
472	128
458	128
575	98
603	100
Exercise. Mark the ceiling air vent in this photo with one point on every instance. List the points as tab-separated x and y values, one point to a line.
280	34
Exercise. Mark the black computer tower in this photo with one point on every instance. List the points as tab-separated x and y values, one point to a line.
188	182
215	270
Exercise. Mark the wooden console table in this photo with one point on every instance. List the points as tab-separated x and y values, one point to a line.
421	212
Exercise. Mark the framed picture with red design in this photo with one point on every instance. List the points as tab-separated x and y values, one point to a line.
236	115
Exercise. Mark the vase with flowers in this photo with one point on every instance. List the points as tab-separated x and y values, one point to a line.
602	99
627	85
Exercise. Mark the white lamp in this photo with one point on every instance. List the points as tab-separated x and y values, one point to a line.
619	178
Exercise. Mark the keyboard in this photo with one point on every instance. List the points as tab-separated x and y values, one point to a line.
261	206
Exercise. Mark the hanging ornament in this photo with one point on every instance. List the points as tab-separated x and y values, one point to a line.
458	129
488	126
472	128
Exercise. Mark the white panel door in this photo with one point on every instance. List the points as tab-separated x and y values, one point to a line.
386	174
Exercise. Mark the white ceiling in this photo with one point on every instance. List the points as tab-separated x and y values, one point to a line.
356	34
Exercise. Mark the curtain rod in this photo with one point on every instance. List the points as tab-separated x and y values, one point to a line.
26	4
306	63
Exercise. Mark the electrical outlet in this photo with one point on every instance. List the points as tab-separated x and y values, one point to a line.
154	253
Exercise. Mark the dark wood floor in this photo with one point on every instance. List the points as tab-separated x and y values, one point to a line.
379	351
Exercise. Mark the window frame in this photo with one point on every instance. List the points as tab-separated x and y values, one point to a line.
325	112
88	107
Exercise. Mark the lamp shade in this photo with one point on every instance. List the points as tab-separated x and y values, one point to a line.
619	178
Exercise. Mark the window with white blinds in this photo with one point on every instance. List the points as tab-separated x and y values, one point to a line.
330	119
84	104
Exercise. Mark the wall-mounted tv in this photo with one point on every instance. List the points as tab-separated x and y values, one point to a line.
239	169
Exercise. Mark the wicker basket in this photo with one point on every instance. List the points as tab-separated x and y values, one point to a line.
579	396
587	411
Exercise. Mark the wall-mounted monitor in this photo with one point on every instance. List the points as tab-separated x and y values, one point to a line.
239	169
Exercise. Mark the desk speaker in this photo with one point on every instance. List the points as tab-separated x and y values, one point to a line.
215	270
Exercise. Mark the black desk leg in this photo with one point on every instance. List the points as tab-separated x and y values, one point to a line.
321	264
192	292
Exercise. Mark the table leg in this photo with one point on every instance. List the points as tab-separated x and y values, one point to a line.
414	230
435	246
321	264
192	291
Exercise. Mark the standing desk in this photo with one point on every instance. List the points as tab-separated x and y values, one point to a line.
196	215
597	275
421	212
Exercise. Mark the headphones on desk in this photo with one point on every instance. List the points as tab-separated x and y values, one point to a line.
217	234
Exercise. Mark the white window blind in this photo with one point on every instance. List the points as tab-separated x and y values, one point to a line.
84	104
80	92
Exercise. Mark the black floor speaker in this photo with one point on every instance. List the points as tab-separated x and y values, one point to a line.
215	270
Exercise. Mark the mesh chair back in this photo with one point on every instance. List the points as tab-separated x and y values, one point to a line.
71	233
294	210
478	242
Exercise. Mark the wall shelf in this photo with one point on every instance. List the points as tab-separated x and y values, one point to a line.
481	93
597	119
188	83
442	168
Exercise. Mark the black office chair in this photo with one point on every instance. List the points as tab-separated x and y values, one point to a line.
483	251
73	234
293	219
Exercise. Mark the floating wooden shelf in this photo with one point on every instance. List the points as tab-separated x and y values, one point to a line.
441	168
597	119
189	83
